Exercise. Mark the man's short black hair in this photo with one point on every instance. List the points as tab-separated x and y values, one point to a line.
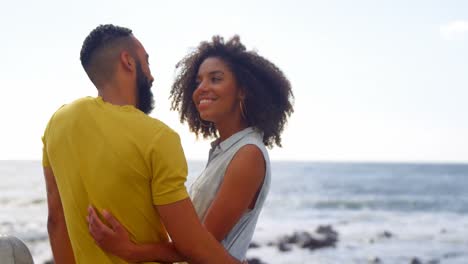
101	48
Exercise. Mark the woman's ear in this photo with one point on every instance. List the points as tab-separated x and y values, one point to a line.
241	93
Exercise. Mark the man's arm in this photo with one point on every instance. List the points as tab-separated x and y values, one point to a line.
190	238
239	189
56	226
175	209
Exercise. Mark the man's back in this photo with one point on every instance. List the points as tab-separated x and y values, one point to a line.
115	158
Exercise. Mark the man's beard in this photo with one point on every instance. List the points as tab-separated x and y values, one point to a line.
145	100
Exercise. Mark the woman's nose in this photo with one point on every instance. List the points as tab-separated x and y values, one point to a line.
202	87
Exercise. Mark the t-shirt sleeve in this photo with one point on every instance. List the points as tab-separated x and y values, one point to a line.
45	156
47	131
169	168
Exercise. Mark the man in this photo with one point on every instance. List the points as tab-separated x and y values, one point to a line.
106	151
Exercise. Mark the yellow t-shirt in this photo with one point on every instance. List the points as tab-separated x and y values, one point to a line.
115	158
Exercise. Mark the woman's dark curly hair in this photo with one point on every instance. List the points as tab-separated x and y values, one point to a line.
268	93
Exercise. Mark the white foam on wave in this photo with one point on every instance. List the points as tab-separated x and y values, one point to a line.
361	236
439	235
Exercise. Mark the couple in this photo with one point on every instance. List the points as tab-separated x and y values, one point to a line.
115	176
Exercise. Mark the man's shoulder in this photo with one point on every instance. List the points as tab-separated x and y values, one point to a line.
77	103
65	110
160	128
81	102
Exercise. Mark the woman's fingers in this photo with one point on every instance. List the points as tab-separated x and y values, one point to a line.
111	239
93	229
116	226
97	228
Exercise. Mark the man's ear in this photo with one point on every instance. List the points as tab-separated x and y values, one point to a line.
127	61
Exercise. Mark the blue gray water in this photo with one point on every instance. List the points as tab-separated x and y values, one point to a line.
423	206
377	186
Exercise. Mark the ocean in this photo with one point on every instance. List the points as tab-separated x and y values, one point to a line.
382	212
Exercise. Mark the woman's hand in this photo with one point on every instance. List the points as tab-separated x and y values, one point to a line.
114	239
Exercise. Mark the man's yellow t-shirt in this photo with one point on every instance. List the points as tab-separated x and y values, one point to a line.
115	158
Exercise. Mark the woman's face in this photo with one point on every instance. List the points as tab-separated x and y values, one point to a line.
217	95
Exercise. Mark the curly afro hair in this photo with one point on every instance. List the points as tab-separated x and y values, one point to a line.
268	94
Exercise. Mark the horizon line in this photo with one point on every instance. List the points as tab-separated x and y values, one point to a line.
447	162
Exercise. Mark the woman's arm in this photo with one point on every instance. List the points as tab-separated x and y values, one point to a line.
115	240
238	191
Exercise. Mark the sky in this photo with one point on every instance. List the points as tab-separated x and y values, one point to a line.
373	80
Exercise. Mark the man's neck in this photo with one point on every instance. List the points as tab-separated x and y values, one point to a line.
116	96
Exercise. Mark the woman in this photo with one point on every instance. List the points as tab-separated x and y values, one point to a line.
238	97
